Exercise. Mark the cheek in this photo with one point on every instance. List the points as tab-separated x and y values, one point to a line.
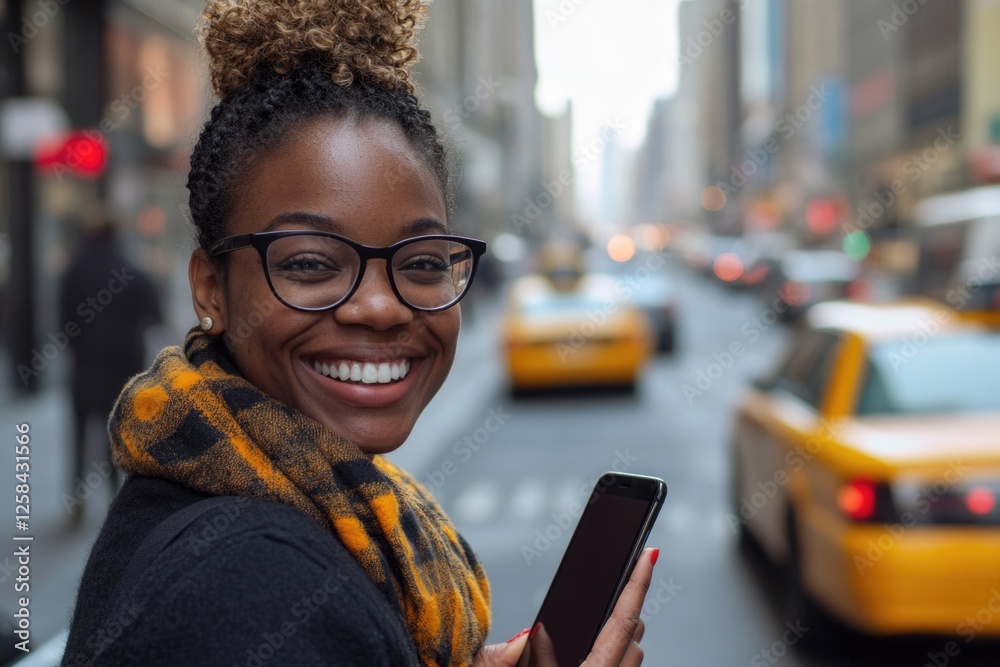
445	327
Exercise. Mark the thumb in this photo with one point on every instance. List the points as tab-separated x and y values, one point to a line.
503	655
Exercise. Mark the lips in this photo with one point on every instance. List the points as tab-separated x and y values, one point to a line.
363	372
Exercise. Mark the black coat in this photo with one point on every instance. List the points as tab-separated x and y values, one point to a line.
261	584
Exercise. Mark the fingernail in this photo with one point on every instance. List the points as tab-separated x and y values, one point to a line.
518	635
653	556
534	629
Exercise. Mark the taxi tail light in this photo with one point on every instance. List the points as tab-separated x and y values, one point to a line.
865	500
980	500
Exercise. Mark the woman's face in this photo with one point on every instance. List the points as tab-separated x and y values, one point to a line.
363	180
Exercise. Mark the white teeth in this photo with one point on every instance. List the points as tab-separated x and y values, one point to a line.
384	373
369	373
365	372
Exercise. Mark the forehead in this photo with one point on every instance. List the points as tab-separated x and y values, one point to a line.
363	174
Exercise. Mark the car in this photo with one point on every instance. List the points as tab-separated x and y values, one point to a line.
807	277
655	297
644	282
583	335
868	468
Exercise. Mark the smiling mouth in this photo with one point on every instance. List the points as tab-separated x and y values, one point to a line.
364	372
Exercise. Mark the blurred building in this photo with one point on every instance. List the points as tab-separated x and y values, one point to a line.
478	76
123	75
818	117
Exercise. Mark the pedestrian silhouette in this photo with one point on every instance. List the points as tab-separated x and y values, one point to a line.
112	303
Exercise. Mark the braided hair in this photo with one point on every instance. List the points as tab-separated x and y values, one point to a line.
278	64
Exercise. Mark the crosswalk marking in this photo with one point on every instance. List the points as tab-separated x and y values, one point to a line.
527	499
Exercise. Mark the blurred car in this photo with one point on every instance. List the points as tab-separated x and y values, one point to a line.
656	298
644	282
564	337
807	277
868	467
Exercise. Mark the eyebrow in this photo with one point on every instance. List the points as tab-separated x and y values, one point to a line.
327	224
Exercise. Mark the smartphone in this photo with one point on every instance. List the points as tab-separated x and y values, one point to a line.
595	568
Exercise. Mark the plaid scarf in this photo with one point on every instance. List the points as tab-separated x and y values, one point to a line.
193	419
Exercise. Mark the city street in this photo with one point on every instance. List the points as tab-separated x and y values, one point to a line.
509	493
507	471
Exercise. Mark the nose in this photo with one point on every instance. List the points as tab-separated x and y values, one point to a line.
374	303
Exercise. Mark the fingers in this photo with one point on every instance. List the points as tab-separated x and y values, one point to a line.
542	652
633	656
623	628
640	631
502	655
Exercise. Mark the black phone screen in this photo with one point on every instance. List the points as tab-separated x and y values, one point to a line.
595	562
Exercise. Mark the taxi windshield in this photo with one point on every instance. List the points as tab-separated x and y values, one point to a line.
926	374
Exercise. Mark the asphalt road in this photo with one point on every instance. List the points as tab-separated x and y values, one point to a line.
508	482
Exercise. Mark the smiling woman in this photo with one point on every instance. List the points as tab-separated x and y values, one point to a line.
259	521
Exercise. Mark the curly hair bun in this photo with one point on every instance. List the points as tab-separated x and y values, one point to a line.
370	40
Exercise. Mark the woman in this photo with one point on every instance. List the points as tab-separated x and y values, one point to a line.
326	283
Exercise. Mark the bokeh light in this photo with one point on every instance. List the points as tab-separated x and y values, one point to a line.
728	267
621	248
857	244
713	198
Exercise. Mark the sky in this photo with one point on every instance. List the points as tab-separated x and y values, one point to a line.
612	58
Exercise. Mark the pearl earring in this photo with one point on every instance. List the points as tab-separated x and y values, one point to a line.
207	324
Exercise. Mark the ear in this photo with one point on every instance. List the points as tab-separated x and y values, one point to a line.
207	290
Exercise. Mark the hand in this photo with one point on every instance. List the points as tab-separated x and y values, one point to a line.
617	644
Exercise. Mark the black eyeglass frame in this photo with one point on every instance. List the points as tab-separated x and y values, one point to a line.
262	240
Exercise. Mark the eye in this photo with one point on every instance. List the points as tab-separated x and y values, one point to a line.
423	263
306	266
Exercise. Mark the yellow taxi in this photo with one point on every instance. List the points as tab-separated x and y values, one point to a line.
575	334
868	465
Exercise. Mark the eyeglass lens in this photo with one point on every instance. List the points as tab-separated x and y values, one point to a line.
310	271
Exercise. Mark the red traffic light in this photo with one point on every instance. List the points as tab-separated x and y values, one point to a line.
82	154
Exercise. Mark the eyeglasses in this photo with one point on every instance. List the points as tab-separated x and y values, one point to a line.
314	271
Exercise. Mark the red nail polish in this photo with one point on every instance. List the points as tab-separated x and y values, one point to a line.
654	556
534	629
518	635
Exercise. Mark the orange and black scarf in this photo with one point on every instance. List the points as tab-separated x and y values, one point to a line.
193	419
